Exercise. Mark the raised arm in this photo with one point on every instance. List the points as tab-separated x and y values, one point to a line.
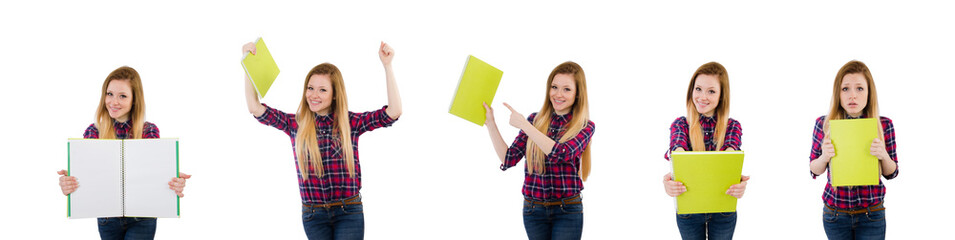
251	98
500	147
543	142
394	99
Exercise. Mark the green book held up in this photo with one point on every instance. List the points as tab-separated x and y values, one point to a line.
854	164
707	175
261	68
478	85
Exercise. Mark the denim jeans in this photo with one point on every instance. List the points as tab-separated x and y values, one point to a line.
867	225
126	228
554	222
338	222
706	225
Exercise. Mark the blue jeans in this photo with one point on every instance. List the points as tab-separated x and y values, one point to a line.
126	228
338	222
554	222
700	225
868	225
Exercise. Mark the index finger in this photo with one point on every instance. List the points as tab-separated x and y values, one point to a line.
509	107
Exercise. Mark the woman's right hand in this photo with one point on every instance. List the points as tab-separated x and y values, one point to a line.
828	150
68	184
488	116
248	47
673	188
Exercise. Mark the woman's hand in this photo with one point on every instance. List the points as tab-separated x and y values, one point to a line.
386	54
738	189
673	188
68	184
828	150
177	184
489	116
878	150
248	48
517	120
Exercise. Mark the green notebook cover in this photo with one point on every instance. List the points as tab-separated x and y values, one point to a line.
261	68
854	164
706	175
478	85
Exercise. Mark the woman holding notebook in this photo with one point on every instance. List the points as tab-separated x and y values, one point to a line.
121	115
556	144
324	138
708	107
854	212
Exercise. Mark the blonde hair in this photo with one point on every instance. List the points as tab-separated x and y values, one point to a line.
137	113
581	117
835	107
306	142
721	112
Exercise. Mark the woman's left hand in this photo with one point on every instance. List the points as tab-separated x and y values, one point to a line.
878	150
386	54
738	189
178	184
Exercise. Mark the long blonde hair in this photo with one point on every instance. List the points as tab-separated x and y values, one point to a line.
306	142
137	113
721	113
581	116
835	107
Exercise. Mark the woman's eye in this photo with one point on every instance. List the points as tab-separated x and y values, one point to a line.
553	87
698	89
122	96
859	89
712	92
109	94
310	88
323	90
845	89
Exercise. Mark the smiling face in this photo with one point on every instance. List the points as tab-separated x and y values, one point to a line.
319	93
706	94
563	92
854	94
119	99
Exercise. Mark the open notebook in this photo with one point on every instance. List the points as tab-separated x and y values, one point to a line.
478	85
707	175
123	177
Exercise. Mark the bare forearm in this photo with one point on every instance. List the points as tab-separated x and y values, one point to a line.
394	99
888	167
500	147
543	142
818	166
252	99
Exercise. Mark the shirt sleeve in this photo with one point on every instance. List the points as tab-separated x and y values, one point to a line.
150	130
889	134
277	119
516	151
572	148
734	136
91	132
817	136
679	137
367	121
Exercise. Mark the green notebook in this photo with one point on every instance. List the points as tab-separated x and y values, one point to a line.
478	85
261	68
854	164
706	175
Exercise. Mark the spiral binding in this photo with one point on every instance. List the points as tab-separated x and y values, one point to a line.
122	160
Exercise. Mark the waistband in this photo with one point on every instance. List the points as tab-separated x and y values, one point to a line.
873	208
353	200
564	201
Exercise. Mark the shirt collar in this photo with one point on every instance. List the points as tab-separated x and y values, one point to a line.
562	118
705	119
324	119
121	125
863	115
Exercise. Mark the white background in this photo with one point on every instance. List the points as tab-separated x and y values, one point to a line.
435	176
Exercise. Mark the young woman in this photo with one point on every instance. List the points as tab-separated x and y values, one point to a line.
557	153
121	115
707	107
854	212
324	138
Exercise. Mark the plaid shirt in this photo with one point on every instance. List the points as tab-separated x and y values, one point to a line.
560	178
335	184
122	130
679	135
853	196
